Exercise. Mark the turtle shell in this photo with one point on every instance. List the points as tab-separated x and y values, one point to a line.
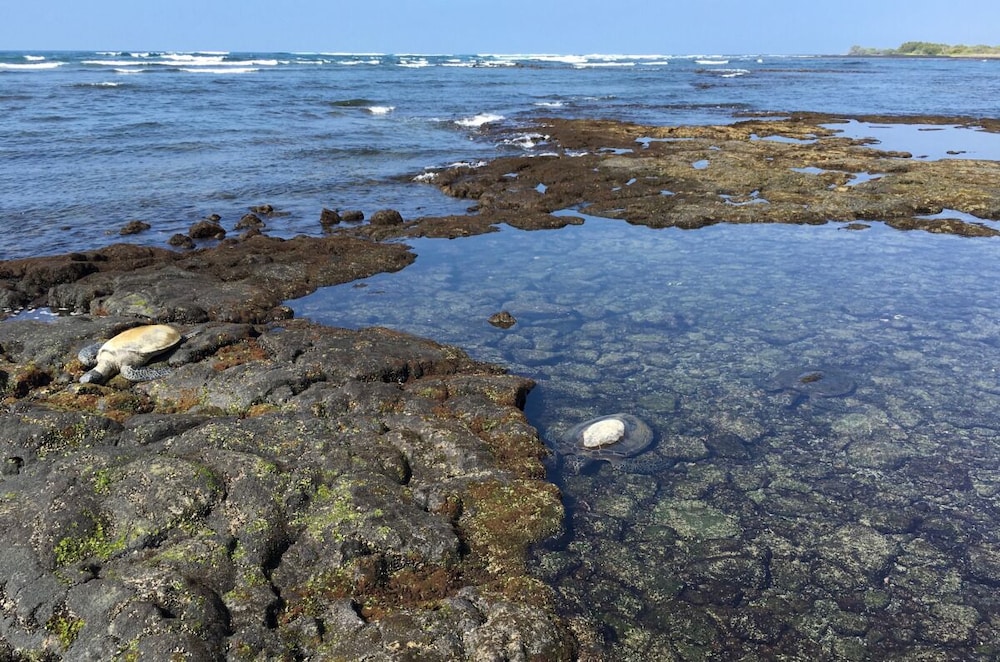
127	352
613	438
142	342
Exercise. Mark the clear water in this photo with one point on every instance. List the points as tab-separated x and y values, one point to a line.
786	514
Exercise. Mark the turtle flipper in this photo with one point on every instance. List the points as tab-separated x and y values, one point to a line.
649	464
143	374
576	464
88	355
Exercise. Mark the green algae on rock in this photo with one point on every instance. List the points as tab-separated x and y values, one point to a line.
782	168
314	497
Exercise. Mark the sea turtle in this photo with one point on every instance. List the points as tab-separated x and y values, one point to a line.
810	382
619	439
127	353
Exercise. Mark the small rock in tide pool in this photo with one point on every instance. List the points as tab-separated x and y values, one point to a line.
809	382
503	319
264	209
134	227
352	216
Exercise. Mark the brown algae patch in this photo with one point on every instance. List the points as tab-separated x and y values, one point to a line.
798	169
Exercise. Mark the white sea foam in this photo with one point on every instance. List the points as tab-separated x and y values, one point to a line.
190	58
216	61
556	59
220	70
526	141
380	110
119	70
16	66
710	61
343	54
34	58
109	63
191	62
479	120
550	104
734	73
594	65
468	164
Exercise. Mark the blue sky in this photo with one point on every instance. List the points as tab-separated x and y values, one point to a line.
498	26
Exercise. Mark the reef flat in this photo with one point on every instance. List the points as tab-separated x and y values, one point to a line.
793	168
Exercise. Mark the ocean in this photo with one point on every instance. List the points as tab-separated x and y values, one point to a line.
857	522
90	141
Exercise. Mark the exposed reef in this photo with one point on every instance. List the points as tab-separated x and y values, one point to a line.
789	169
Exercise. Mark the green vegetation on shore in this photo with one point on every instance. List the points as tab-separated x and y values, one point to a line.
926	48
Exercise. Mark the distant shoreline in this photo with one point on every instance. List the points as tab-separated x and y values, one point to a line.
943	56
929	49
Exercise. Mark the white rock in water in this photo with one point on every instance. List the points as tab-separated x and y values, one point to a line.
604	433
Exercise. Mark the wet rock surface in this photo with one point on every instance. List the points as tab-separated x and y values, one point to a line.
244	281
287	491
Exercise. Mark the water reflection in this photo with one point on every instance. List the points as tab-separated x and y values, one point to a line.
838	524
926	141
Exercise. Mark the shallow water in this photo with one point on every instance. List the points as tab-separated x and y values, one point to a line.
926	141
835	527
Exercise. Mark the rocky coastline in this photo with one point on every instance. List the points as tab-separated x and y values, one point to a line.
780	168
288	490
294	491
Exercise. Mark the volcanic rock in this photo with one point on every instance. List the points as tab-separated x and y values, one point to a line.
386	217
134	227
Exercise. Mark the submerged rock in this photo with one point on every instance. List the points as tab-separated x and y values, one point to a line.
810	382
134	227
503	320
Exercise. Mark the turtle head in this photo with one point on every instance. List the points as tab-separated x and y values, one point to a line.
94	376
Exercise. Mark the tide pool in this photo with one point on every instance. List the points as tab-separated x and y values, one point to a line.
773	515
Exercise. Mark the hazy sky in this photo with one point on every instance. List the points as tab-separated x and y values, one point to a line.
498	26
